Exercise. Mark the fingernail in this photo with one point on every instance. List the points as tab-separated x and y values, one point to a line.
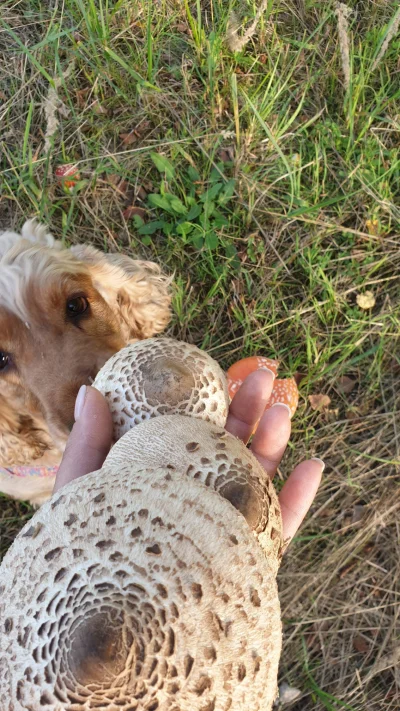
282	404
268	371
317	459
80	402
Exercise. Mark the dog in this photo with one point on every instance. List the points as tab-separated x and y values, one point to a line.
63	313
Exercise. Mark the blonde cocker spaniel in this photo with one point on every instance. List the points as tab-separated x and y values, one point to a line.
63	313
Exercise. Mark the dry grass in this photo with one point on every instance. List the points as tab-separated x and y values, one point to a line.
314	222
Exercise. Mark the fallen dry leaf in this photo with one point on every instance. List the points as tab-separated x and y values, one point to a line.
81	96
182	27
132	210
141	193
360	644
99	109
319	401
128	138
226	155
346	384
366	301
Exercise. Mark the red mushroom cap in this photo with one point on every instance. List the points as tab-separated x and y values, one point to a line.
284	390
68	170
239	371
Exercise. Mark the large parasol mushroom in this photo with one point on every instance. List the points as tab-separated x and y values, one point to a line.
143	586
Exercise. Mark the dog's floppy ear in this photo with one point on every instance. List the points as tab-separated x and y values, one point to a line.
138	292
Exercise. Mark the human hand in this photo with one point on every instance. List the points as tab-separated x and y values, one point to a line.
91	438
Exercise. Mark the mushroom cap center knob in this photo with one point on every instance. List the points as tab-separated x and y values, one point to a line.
162	376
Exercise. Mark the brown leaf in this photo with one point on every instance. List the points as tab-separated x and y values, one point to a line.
81	96
346	385
128	138
182	27
132	210
226	155
113	178
319	401
141	193
99	109
360	644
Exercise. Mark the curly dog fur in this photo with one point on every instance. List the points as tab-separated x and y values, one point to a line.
63	313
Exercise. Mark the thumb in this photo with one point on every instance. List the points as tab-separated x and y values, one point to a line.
90	439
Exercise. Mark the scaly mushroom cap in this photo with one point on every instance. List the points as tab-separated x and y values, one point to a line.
207	453
137	591
162	376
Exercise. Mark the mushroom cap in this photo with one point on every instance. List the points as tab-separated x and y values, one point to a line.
139	590
162	376
238	372
285	390
208	453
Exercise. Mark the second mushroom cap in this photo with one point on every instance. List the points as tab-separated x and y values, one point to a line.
208	453
162	376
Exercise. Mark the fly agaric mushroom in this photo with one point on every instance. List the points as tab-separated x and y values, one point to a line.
67	174
142	587
239	371
162	376
284	390
211	455
138	590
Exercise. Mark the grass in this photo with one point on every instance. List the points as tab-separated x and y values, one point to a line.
152	101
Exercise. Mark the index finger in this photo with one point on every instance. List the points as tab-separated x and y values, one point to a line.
249	403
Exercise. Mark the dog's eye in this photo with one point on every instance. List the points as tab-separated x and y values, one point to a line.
4	360
77	306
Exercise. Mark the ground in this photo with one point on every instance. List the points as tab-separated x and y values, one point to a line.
285	153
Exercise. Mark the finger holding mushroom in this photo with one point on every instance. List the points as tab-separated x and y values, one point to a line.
284	390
